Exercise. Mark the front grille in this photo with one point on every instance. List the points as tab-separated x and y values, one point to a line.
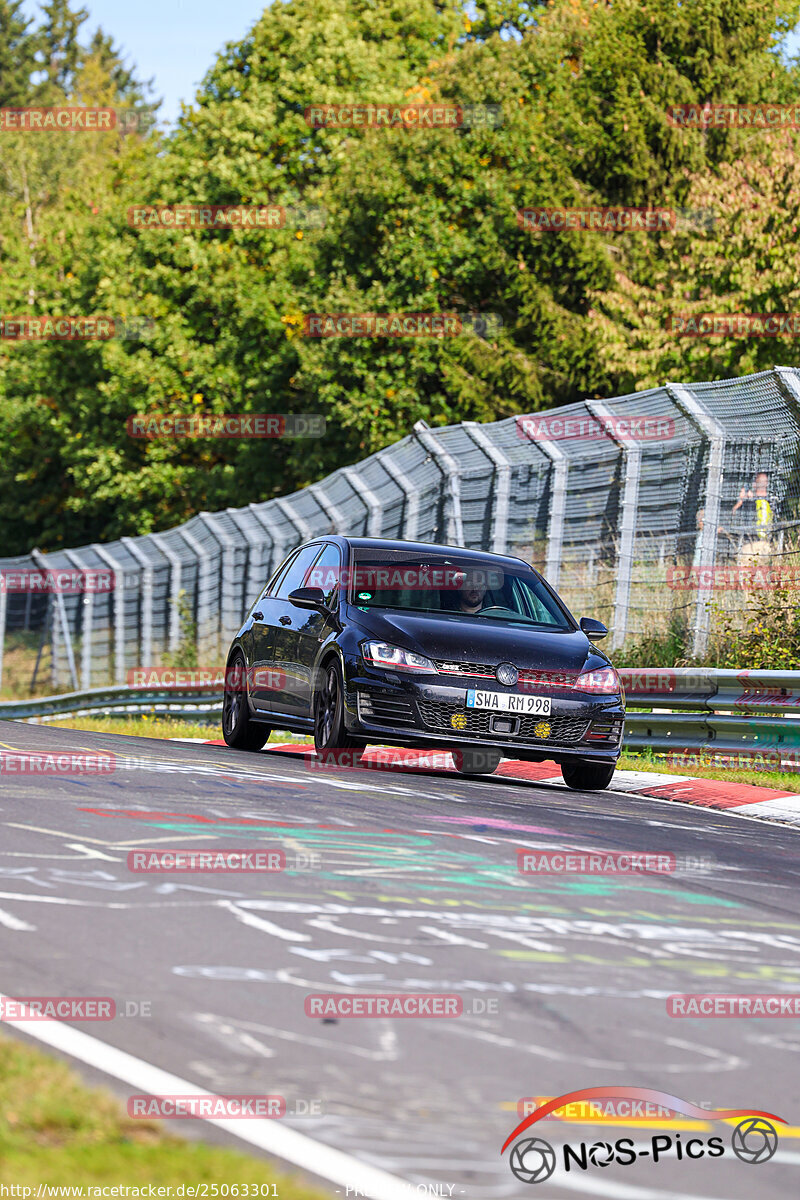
385	710
447	667
529	681
563	730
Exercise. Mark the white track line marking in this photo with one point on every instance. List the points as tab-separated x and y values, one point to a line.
15	923
247	918
312	1156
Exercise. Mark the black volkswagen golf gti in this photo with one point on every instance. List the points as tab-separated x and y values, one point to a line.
364	640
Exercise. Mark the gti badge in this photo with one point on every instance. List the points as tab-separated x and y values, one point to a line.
507	674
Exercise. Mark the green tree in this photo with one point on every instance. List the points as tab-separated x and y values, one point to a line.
17	54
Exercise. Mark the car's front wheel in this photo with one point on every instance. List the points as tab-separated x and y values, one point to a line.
238	727
330	735
476	762
587	777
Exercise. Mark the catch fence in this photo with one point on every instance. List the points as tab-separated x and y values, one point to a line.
632	507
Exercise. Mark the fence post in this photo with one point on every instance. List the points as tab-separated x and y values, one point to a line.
627	531
558	504
145	656
702	419
228	617
119	611
257	569
364	493
449	468
87	621
41	562
502	489
302	527
332	512
410	494
174	561
205	587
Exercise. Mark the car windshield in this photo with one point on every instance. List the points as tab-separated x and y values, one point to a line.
439	583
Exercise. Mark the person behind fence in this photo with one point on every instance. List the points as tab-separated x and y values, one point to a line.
721	532
758	515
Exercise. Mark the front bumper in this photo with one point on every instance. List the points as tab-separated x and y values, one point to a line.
419	713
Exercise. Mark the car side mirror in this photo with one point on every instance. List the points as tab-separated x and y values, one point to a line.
593	629
308	597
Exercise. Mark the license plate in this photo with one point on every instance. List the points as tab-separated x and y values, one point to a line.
537	706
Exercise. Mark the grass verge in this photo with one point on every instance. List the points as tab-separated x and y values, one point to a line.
157	727
55	1130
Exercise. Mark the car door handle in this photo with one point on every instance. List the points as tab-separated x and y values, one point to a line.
285	620
258	616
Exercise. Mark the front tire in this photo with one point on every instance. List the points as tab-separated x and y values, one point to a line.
476	762
330	735
587	777
238	728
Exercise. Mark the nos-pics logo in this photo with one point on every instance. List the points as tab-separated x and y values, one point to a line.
533	1160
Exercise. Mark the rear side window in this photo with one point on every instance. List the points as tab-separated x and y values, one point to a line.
273	586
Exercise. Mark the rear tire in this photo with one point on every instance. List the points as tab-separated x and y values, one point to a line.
587	777
476	762
238	727
330	735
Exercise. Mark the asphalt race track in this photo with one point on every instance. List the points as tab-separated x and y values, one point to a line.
405	882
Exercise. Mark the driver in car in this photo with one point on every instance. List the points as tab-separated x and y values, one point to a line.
471	596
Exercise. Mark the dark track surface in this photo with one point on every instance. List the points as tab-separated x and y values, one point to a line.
418	891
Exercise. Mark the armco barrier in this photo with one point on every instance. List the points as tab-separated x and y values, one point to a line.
193	705
750	714
692	711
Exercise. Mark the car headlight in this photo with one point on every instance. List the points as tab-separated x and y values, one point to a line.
378	654
605	682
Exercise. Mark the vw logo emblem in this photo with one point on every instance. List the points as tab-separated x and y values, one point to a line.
754	1140
533	1160
507	674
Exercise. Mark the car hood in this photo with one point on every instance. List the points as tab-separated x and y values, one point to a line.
460	639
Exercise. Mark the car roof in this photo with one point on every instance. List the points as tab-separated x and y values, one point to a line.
367	543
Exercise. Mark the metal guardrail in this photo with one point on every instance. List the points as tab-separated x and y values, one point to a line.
196	704
715	714
753	715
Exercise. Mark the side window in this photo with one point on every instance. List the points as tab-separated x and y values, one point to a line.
274	583
298	568
326	573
